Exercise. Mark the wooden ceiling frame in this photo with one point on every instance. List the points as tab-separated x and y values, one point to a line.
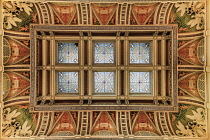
163	66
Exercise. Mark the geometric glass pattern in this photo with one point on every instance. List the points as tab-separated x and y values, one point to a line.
104	52
139	53
68	82
139	82
67	52
103	82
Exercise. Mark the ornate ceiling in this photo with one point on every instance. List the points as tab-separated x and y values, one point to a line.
190	118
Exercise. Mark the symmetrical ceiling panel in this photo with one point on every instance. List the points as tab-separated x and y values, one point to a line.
186	120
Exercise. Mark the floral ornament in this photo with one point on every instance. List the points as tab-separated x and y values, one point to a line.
195	10
12	128
12	10
182	7
194	128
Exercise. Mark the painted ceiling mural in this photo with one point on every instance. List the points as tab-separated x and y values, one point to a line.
190	121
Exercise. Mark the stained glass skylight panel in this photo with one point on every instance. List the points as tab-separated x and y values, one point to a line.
139	52
68	52
103	52
68	82
104	82
139	82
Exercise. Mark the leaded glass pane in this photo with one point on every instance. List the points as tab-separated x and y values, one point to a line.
68	82
139	53
104	52
67	52
104	82
139	82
